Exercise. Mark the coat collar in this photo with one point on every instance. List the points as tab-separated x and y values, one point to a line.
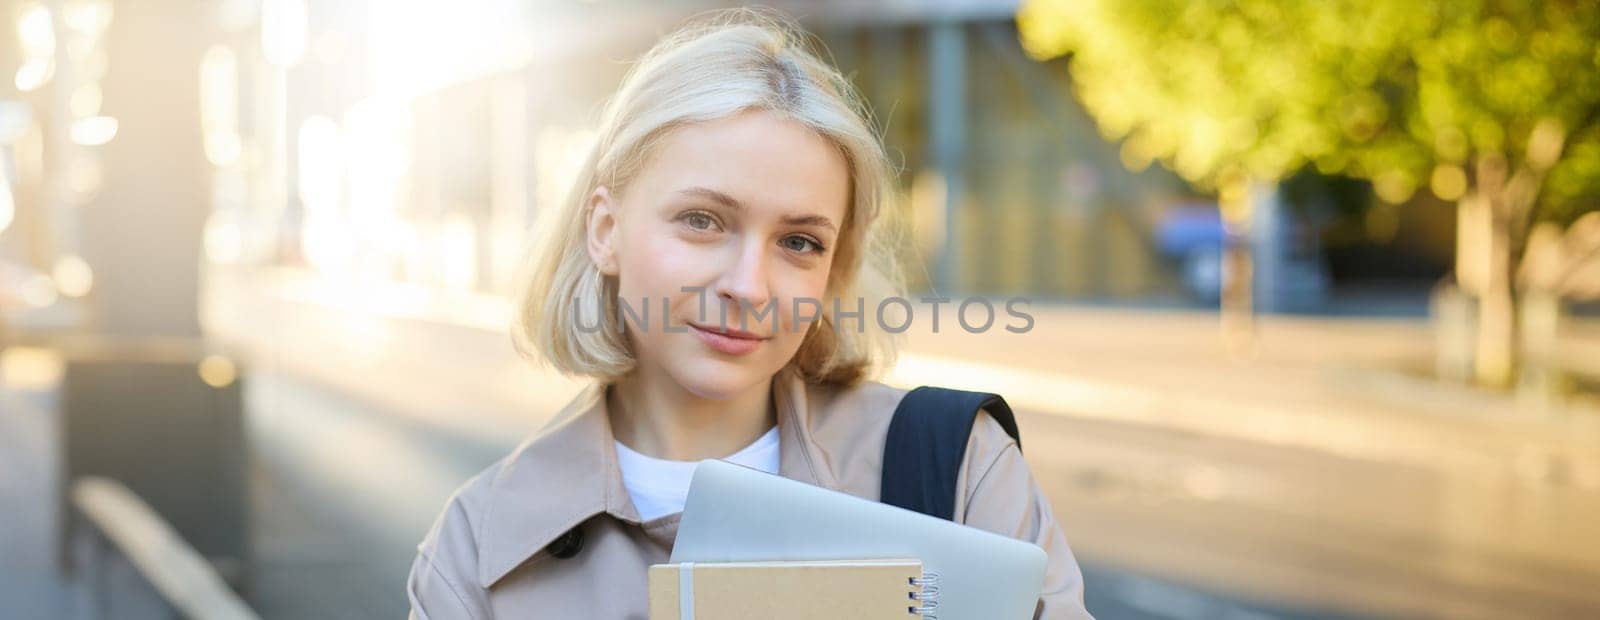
567	473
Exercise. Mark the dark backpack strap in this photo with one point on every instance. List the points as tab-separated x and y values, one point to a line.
927	442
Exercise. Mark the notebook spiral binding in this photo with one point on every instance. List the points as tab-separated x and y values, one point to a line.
928	598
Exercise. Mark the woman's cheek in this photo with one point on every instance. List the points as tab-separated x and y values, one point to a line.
661	267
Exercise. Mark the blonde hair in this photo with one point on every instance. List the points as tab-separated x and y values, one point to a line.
721	64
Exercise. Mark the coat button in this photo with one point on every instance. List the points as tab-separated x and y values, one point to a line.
568	544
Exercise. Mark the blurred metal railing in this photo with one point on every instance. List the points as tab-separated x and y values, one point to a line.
184	579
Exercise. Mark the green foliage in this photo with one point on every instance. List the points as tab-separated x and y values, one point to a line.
1406	93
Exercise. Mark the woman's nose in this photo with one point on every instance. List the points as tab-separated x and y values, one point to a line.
744	280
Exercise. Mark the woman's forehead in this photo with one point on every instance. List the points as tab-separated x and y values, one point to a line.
753	160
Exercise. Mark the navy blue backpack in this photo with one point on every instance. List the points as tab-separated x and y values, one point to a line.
927	442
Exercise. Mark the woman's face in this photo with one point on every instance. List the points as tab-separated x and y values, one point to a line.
747	210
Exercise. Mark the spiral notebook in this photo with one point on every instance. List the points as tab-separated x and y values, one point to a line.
885	589
739	514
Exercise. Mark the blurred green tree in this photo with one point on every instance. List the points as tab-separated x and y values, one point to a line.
1494	104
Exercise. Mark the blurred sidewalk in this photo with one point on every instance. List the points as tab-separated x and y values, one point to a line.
1314	478
335	541
324	547
1320	472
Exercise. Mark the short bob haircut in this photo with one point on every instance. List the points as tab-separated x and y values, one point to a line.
720	64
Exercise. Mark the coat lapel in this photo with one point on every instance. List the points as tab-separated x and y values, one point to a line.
568	473
798	458
553	482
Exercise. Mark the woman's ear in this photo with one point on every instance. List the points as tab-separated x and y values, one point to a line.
602	231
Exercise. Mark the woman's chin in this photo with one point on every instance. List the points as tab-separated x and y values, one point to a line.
718	379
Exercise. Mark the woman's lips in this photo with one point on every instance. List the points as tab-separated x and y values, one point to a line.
731	342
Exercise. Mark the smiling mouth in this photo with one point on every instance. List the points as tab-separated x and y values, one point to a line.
728	341
729	332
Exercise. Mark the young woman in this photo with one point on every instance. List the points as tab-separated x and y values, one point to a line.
734	174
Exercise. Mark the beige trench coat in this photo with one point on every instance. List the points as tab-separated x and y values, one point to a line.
486	556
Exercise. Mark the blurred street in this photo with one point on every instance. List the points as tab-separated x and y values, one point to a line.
1291	478
1285	485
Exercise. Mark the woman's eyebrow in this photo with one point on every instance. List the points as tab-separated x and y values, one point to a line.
714	196
810	220
733	203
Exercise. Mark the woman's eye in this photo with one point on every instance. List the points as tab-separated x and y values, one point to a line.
698	221
802	244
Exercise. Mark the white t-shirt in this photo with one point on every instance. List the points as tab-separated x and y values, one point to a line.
660	486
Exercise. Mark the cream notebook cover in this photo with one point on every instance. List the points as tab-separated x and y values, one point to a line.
887	589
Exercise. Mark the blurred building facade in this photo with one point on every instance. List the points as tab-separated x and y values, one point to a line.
420	145
417	144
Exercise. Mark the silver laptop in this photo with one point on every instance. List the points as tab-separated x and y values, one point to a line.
739	514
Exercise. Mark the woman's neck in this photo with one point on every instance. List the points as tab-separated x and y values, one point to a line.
652	414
